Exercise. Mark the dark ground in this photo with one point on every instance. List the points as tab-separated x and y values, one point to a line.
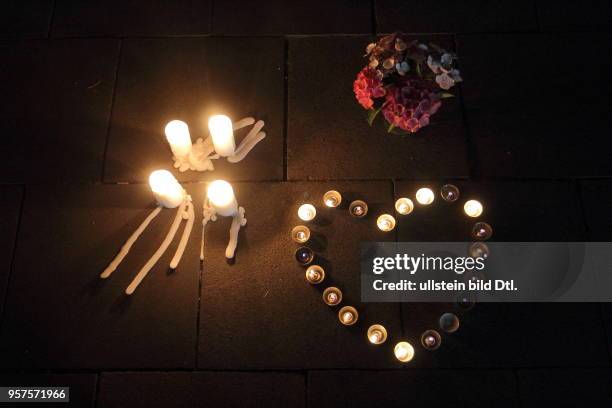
86	90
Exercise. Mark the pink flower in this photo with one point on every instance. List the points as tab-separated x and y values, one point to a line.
410	105
368	86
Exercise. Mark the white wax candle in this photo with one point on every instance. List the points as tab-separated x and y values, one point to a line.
221	197
177	135
222	133
168	192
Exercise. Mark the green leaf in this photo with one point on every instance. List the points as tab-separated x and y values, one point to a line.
445	95
418	69
391	127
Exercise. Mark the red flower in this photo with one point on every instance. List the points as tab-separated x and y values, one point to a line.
410	105
368	86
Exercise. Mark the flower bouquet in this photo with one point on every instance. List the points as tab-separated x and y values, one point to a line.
406	80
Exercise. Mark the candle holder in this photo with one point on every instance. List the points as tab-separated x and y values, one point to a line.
472	208
358	208
315	274
482	231
304	255
377	334
449	193
385	222
307	212
332	199
348	315
425	196
449	322
220	143
300	234
479	250
332	296
404	206
404	351
220	200
431	340
169	194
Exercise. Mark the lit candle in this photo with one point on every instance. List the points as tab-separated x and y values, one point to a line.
425	196
404	206
307	212
377	334
332	296
221	197
472	208
358	208
332	198
315	274
177	135
404	351
168	192
348	315
300	234
222	133
385	222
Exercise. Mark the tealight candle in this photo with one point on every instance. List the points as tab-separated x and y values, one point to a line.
177	135
385	222
404	351
304	255
307	212
425	196
472	208
404	206
377	334
348	315
358	208
168	192
221	197
431	340
222	133
300	234
315	274
332	296
332	199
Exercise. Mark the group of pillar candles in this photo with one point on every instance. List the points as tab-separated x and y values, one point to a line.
220	199
332	296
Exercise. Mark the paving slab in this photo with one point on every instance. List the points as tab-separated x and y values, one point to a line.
571	15
60	314
191	79
260	313
328	136
450	16
565	387
203	389
416	388
26	18
277	17
131	18
527	120
55	123
10	205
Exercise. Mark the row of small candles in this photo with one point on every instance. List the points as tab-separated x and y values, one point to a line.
332	296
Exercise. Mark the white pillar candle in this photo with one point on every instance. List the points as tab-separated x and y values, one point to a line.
222	133
221	197
168	192
177	135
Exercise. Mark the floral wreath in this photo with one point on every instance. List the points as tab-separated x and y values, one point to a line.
406	80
